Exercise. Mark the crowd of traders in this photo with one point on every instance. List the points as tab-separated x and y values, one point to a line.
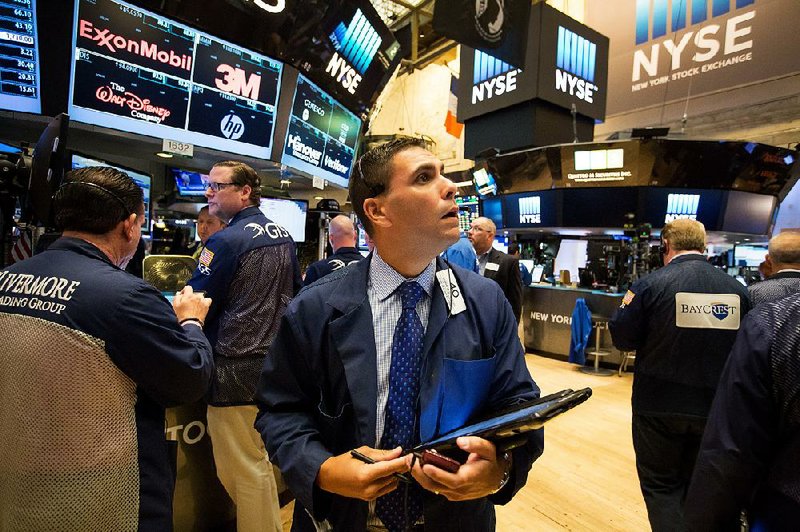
373	355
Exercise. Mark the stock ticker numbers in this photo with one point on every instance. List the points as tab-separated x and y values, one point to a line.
18	54
140	66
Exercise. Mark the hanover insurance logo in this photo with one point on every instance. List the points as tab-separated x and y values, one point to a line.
703	48
491	77
682	206
576	59
530	210
357	43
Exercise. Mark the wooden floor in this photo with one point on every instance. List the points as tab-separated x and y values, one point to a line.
586	478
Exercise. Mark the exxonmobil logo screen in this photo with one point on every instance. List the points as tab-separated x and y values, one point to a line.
141	72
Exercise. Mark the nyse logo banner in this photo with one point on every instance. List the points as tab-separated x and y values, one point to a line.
575	62
491	77
682	206
356	45
663	51
530	210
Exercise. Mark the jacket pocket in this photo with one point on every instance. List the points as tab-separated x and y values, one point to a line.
465	387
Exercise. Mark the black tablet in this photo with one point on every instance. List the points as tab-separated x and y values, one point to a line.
512	422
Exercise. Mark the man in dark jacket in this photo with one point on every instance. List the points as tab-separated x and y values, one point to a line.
250	269
750	455
784	260
91	358
339	376
682	321
342	236
495	264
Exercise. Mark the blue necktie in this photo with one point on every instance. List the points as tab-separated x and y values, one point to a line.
394	509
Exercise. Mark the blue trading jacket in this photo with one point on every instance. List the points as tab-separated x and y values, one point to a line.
318	390
341	258
250	271
101	354
750	454
680	348
581	329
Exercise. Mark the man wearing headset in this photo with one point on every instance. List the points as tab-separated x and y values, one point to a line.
682	321
331	385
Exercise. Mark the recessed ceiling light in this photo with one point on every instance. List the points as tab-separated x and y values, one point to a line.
164	154
318	197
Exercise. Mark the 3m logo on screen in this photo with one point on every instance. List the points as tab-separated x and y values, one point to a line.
357	44
575	65
701	46
530	210
491	77
682	206
236	81
113	43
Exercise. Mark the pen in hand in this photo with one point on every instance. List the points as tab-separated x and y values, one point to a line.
367	460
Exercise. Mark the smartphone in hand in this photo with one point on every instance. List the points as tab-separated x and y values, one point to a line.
441	461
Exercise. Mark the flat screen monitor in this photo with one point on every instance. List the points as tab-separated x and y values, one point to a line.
351	53
467	211
492	208
19	48
143	180
537	272
188	182
531	209
322	135
747	212
288	213
362	239
663	205
140	72
485	183
749	255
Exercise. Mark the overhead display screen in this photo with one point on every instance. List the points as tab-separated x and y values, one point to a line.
529	209
139	72
19	57
351	53
322	135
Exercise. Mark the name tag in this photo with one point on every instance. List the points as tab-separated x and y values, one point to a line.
493	266
451	291
707	311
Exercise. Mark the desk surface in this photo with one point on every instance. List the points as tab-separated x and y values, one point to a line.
570	289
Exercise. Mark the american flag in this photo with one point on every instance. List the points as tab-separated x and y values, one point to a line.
23	247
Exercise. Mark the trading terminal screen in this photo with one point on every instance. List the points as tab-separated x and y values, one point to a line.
19	57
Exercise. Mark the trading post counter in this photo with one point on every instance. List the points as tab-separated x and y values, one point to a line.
547	319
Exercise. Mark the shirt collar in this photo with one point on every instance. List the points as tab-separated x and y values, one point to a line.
385	279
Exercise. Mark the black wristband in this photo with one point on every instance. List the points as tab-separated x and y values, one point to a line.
190	320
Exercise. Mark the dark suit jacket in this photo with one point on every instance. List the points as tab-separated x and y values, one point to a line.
318	390
508	277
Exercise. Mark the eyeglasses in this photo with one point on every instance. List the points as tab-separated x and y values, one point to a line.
215	187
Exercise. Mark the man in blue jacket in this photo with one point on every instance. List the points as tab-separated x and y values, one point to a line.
91	357
250	270
682	321
342	236
334	380
750	455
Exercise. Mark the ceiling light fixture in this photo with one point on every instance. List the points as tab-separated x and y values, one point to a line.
164	154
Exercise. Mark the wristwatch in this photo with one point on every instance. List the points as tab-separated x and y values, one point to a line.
506	458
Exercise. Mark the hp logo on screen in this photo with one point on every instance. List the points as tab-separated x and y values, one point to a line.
232	127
